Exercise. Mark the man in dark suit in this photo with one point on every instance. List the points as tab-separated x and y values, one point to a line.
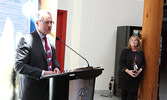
31	60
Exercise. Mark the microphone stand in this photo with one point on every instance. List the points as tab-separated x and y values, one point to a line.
72	50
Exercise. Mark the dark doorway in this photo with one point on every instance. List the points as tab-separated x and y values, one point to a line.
163	64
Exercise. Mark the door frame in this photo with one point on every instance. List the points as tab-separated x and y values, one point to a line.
61	34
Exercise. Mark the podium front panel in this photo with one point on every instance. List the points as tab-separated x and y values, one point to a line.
74	85
80	89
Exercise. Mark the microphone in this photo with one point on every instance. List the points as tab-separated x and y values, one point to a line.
73	50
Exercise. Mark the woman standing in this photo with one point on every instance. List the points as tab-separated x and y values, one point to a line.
132	63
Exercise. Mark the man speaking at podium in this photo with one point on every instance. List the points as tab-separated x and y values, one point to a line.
35	57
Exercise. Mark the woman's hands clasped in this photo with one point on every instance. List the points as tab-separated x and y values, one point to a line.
133	73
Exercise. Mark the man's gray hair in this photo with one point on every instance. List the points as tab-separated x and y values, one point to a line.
40	13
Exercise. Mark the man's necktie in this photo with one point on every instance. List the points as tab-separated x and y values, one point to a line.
48	54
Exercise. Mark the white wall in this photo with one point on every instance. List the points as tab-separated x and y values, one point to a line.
91	30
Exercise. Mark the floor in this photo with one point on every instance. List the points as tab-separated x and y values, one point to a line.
101	97
105	95
163	85
162	90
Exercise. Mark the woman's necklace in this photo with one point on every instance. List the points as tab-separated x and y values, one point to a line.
135	67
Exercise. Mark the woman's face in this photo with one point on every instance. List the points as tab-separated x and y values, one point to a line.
134	42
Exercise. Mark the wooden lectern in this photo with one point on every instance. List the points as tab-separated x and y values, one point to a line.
77	84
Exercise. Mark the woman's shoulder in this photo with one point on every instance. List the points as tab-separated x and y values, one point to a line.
141	52
126	50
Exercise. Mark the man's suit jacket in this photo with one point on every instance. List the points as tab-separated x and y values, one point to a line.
29	63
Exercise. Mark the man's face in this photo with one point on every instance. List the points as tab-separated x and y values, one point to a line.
44	25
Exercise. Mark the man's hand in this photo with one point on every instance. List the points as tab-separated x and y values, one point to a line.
48	72
55	71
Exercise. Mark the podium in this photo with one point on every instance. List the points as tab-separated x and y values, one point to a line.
77	84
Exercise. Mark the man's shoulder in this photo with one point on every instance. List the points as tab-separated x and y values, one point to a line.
30	35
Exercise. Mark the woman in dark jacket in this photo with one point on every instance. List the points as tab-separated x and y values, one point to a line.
132	63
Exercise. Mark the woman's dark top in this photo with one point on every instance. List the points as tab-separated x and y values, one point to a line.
126	82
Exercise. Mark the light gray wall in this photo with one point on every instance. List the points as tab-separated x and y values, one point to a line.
91	30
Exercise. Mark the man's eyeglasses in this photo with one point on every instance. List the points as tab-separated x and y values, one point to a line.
47	22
